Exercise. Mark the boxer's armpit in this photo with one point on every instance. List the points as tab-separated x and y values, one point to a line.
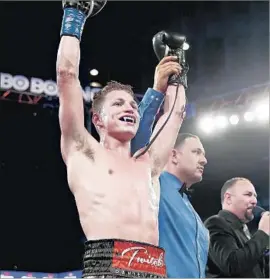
82	145
155	170
155	164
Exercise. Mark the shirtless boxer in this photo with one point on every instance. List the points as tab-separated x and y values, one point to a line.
116	195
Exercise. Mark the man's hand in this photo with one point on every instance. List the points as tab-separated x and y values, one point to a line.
167	66
264	222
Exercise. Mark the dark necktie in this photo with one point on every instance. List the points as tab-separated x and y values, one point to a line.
246	231
184	189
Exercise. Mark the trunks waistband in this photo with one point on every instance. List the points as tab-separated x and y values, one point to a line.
123	258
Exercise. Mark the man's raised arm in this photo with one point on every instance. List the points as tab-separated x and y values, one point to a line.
163	144
152	101
148	109
71	111
165	141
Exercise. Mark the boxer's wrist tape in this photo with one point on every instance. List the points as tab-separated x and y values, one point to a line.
73	23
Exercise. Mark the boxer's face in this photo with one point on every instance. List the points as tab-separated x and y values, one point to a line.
191	160
243	198
119	116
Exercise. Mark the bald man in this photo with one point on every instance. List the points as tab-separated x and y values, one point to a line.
233	251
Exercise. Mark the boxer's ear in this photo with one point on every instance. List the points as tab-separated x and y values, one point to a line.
97	121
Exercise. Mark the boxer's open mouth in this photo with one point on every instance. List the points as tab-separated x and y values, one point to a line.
128	119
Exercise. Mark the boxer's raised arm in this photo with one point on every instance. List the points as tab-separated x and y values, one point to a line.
71	110
165	141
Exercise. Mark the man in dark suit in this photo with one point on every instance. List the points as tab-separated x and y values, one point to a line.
233	252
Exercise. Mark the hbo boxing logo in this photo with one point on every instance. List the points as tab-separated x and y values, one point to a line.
22	84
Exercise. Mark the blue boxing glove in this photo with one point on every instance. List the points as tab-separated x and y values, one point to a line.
75	14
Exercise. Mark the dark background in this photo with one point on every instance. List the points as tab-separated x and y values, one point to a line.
39	226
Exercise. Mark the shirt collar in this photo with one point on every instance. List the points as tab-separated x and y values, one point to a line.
175	182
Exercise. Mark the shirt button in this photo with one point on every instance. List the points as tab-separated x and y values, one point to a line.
157	99
152	97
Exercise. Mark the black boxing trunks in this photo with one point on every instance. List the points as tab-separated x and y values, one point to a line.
115	258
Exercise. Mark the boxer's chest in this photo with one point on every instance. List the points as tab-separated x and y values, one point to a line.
128	168
116	177
133	177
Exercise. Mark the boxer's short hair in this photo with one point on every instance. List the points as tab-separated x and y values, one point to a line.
99	97
181	138
229	184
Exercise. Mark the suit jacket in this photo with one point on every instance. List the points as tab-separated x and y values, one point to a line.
231	253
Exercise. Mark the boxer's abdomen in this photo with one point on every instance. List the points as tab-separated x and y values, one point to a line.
114	199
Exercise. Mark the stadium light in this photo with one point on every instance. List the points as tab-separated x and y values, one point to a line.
234	119
185	46
221	121
262	112
252	111
94	72
95	84
206	124
249	116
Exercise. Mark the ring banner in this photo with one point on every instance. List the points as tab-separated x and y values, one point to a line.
34	86
37	86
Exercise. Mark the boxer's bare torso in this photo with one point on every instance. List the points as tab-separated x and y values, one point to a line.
114	194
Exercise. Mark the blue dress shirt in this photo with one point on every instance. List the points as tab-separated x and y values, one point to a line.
148	109
181	231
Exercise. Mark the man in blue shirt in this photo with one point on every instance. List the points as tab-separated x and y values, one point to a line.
181	231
